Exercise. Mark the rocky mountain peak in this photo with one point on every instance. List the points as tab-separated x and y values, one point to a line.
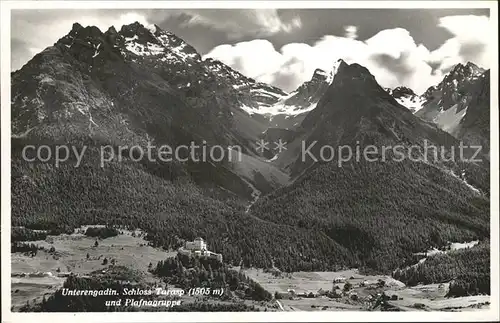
461	71
78	32
320	75
305	98
134	28
451	89
451	100
140	34
353	74
401	91
111	31
76	27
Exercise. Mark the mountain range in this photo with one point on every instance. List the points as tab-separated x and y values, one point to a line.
463	91
144	86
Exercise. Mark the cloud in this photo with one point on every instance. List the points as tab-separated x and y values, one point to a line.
351	32
253	58
471	41
38	29
238	23
391	55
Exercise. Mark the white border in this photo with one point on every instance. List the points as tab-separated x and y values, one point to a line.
320	316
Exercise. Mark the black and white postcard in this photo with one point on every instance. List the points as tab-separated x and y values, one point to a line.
312	161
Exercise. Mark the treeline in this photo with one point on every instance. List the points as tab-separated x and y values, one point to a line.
24	247
472	283
26	234
101	232
467	270
187	272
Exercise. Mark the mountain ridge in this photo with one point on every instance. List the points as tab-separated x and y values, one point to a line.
373	208
143	85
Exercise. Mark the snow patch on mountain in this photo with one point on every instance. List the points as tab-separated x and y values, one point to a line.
278	109
157	42
413	103
334	71
151	28
407	98
248	109
144	50
178	50
130	39
96	51
266	92
303	100
288	110
449	120
327	75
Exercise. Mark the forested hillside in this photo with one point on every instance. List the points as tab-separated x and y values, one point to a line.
468	270
140	86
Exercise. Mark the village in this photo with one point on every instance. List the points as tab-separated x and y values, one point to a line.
37	274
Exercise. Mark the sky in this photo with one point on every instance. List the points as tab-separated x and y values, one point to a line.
283	47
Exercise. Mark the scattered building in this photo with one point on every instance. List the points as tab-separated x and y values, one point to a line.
339	280
336	293
322	292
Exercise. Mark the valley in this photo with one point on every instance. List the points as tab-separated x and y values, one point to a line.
306	291
36	278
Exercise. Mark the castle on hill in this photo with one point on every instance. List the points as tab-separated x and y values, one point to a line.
199	248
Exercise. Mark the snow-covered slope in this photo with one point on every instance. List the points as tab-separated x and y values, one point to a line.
446	103
289	110
258	94
407	98
449	120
